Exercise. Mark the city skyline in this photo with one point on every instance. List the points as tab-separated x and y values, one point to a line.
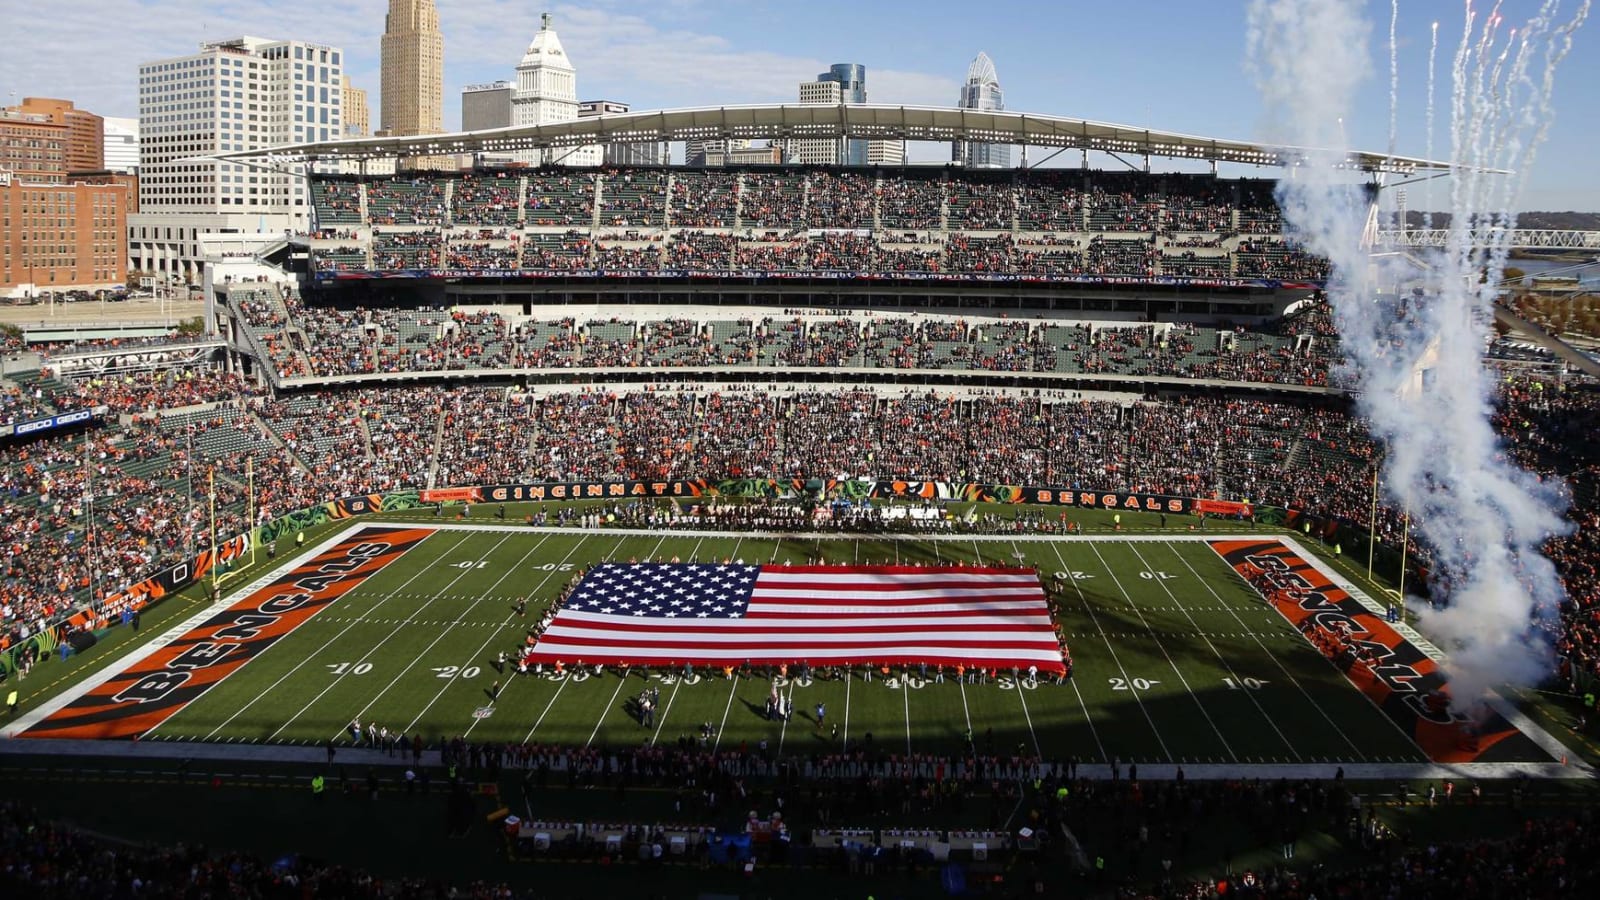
1165	65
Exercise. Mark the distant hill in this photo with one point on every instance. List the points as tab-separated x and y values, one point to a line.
1583	221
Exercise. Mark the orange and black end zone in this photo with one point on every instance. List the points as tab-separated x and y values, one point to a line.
1395	674
152	690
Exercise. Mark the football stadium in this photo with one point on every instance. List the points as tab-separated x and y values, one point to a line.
794	529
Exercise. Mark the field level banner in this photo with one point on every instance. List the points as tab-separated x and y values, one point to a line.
152	690
847	489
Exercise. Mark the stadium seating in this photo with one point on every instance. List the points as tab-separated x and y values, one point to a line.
1041	224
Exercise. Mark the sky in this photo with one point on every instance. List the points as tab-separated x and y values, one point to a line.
1173	65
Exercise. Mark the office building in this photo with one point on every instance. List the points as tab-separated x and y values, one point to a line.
981	91
84	150
55	237
121	144
357	114
32	147
244	93
412	69
701	152
547	92
44	139
844	84
647	154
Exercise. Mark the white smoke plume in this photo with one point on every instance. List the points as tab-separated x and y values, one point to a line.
1418	360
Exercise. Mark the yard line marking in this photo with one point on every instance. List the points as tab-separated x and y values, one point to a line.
604	710
310	656
1095	620
784	731
1249	694
1304	643
367	656
445	630
1162	647
657	736
905	691
540	721
846	744
1095	732
542	582
775	546
732	689
1025	715
961	682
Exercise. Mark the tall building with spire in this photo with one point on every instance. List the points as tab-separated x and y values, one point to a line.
413	69
546	92
981	91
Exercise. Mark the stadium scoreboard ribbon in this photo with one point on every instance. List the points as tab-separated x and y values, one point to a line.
155	688
713	614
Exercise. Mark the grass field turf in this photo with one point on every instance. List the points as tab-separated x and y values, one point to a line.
1177	660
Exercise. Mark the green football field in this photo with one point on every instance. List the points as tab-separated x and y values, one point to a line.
1177	660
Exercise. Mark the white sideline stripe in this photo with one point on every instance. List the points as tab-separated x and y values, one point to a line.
139	654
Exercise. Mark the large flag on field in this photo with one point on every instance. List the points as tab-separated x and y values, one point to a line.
712	614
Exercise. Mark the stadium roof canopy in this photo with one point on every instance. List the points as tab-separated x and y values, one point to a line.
794	121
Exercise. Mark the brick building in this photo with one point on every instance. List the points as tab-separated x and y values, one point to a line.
45	139
54	237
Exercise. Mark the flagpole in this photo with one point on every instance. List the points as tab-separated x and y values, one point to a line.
1372	522
211	484
1405	544
88	532
250	523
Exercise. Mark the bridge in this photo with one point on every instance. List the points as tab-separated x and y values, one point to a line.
1521	238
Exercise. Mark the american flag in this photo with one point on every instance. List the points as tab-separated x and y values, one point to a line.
724	614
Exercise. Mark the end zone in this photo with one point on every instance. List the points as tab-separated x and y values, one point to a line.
154	682
1401	671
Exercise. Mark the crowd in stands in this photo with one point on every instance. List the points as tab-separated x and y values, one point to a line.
1125	225
302	340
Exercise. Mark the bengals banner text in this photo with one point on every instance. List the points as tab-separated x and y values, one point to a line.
154	689
1401	678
